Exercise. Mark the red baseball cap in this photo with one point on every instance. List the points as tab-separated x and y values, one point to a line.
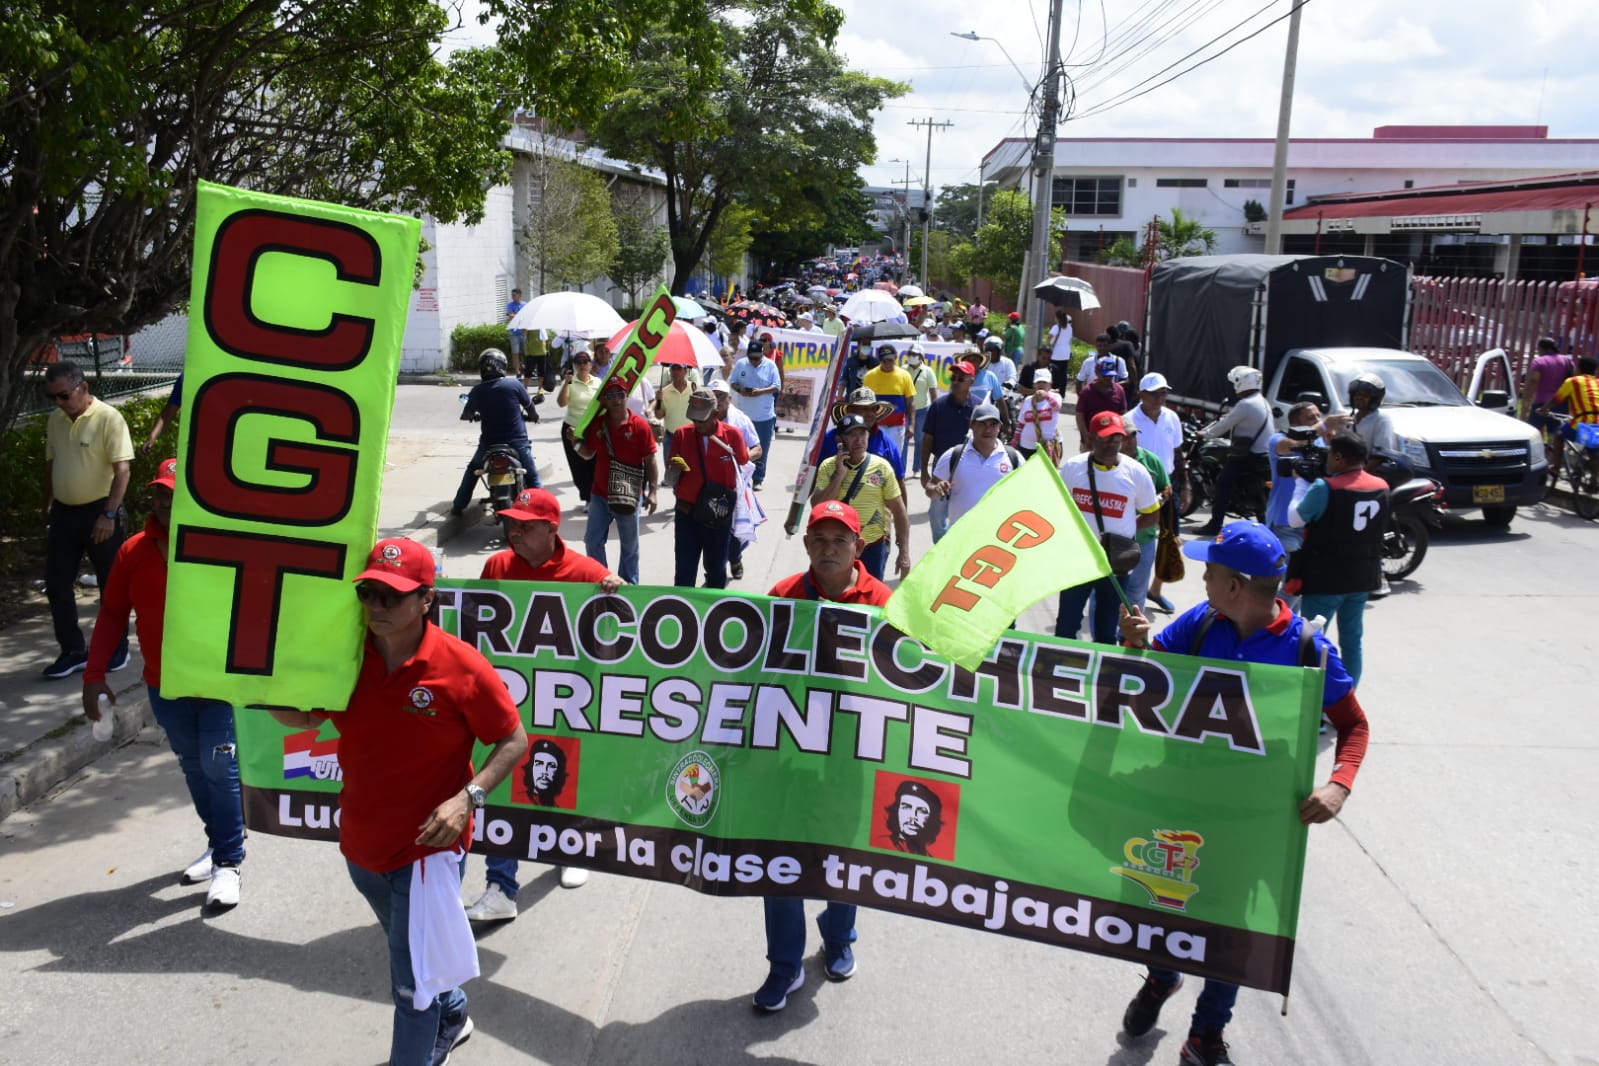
1015	317
834	511
1107	424
963	367
534	505
166	474
400	563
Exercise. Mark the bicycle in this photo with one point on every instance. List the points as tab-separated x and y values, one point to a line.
1580	467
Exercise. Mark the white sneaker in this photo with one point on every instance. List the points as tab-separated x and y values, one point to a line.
198	870
574	877
224	888
492	906
460	1038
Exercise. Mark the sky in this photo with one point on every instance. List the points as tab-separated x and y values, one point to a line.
1362	64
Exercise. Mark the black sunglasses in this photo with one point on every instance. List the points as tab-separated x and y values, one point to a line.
381	595
58	397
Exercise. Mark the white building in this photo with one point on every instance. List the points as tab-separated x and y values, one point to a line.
1113	187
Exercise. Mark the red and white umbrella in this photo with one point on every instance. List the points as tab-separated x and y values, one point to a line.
685	345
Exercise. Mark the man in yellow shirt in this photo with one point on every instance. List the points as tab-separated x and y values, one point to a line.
88	459
1580	394
893	386
869	484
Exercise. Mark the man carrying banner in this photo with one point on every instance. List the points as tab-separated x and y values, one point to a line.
1117	496
833	542
867	483
422	699
199	731
536	553
1243	619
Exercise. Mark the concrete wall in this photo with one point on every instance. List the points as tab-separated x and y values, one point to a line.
467	275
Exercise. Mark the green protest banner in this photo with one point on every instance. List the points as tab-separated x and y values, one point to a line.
1025	540
638	352
1132	804
297	315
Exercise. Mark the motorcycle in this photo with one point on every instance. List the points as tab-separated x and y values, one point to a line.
1415	506
501	472
1205	457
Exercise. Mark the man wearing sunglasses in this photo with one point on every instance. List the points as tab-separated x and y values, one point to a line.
88	458
423	698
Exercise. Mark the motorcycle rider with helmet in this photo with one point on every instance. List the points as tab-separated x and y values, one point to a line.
1371	423
1247	425
503	405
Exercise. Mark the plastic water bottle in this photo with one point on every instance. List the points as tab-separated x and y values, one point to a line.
108	723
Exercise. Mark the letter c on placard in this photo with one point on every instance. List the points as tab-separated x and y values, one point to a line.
654	324
1025	529
236	250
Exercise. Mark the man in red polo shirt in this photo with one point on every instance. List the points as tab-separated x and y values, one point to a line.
833	542
706	455
537	553
422	700
620	435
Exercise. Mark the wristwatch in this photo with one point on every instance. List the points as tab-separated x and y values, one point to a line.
109	514
477	796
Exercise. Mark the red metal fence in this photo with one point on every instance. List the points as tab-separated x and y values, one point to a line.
1453	320
1123	297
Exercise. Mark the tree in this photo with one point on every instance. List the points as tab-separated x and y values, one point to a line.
781	104
824	207
641	248
730	241
957	208
941	272
1184	235
570	236
110	113
1000	247
1122	252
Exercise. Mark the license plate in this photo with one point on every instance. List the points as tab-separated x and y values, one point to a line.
1487	494
510	479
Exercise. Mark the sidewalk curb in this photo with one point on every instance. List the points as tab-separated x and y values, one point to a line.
65	750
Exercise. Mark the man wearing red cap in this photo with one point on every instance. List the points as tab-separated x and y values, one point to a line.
833	542
423	698
1116	495
536	553
1015	338
199	731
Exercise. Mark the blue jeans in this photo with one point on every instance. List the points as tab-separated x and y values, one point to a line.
1349	610
1105	625
764	431
524	455
916	445
502	871
785	932
420	1037
694	542
1293	538
875	556
201	735
1215	1006
938	517
599	528
1137	582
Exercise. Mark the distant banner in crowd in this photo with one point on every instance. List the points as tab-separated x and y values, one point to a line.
297	316
940	355
629	365
806	360
829	391
1136	805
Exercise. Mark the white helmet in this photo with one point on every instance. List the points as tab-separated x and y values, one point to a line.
1244	379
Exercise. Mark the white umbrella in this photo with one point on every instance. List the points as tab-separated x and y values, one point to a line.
1067	292
687	308
910	292
871	305
569	312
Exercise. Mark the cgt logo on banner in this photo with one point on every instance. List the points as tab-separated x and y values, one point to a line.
744	745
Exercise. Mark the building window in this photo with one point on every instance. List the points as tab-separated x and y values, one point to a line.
1410	183
1132	183
1181	183
1289	198
1089	197
1246	183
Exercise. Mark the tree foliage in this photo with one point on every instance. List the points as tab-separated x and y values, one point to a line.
641	247
999	249
957	208
780	107
730	241
1179	235
570	237
110	114
825	207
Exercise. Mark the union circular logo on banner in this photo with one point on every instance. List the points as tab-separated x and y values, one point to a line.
695	789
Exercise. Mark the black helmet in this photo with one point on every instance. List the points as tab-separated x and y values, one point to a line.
993	342
1123	326
491	363
1370	383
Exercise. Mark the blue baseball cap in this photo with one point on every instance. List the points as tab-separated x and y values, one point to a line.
1247	547
1106	367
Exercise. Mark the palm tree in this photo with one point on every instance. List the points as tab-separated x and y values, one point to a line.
1184	235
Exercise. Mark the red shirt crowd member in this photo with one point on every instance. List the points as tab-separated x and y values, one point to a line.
422	700
621	435
537	553
706	456
833	542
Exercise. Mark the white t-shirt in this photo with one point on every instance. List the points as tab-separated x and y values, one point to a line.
1124	493
1040	419
1060	343
1163	436
975	476
1087	371
643	399
1377	431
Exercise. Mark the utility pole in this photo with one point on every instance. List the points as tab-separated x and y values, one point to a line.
1044	180
1279	163
905	210
927	185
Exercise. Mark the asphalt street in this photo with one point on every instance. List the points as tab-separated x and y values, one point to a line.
1451	915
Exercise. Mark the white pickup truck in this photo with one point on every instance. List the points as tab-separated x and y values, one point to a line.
1483	457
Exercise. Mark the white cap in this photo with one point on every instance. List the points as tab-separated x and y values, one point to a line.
1129	424
720	385
1151	382
1042	375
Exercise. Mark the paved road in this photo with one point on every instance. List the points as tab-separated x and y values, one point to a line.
1450	915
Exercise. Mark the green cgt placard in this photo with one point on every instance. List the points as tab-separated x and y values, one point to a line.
297	316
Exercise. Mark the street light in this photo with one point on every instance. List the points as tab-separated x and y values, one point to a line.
973	35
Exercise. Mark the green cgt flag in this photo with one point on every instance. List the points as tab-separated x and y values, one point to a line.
1026	540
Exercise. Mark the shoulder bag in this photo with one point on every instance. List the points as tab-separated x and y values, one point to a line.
1122	552
714	507
626	481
